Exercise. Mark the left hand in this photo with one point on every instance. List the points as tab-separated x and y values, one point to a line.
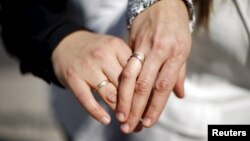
162	34
85	61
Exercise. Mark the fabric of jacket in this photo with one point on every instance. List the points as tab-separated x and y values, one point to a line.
31	29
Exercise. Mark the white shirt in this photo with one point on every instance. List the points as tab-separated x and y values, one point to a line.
217	87
99	15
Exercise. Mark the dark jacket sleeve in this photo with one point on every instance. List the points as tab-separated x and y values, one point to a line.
31	29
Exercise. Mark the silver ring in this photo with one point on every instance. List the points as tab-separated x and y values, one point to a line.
138	56
101	84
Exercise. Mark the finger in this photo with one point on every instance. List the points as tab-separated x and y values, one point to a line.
143	88
179	86
86	99
124	54
107	91
163	87
113	71
126	88
109	95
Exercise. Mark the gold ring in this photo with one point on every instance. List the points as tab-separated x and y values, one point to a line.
101	84
138	56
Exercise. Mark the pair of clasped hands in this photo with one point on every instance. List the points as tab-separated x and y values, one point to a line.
137	90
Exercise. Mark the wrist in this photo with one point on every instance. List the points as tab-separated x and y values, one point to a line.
136	7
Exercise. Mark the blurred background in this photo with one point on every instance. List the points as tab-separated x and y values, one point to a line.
25	112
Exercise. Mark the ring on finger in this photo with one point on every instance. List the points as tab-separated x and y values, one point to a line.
101	84
138	56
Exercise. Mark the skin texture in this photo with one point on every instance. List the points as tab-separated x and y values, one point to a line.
82	60
162	34
138	92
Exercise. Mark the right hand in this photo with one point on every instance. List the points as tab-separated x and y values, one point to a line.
82	60
164	40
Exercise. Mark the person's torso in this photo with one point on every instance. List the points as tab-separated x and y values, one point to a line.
217	87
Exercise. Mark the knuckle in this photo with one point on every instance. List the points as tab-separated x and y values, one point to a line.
142	87
162	85
127	73
70	73
181	45
97	53
158	42
94	109
134	115
174	45
114	41
111	92
153	109
164	46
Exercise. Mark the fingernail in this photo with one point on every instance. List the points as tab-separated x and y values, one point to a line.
105	120
125	128
146	122
120	117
